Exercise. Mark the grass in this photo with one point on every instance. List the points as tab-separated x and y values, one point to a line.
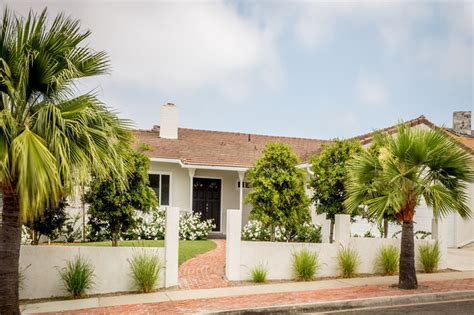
145	270
259	273
187	249
429	256
77	276
387	259
348	261
305	265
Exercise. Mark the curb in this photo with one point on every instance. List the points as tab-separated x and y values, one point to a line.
354	304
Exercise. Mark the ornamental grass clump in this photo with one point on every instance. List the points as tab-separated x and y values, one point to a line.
348	261
145	271
259	273
305	265
387	260
429	256
77	277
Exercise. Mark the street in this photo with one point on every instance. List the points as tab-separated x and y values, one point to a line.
460	307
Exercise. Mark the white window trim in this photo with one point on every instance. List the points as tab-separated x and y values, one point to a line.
170	174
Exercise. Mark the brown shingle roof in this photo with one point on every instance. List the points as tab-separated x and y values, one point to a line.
217	148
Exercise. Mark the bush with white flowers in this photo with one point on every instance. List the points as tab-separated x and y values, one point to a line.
191	227
151	226
254	231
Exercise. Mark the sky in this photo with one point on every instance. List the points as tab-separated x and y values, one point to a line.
291	68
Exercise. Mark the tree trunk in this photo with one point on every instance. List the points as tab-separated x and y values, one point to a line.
114	239
407	277
10	239
331	232
385	228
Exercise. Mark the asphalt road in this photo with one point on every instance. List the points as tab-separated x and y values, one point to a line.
460	307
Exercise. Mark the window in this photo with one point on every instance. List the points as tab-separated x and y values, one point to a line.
160	183
246	185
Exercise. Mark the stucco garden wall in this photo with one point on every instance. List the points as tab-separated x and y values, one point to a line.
110	267
277	256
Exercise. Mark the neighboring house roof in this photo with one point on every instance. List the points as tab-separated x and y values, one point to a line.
232	149
467	141
218	148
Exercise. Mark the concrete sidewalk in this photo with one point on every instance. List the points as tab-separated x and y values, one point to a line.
182	295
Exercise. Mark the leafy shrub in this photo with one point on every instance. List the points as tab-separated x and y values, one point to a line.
368	234
429	256
77	276
259	273
305	264
348	261
254	231
70	230
309	233
25	235
145	271
387	259
191	227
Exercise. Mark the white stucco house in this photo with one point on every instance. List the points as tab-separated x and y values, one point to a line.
204	171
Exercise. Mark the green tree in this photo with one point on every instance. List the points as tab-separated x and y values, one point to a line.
49	223
278	190
48	135
328	180
415	164
112	206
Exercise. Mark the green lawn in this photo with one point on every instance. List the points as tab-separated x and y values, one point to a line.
187	249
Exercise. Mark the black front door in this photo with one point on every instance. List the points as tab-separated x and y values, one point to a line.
207	199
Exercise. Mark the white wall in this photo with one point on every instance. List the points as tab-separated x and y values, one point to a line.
110	267
277	256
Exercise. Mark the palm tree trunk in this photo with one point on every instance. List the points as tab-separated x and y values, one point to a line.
385	228
10	239
407	277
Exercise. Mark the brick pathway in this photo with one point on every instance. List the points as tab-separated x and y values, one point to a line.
275	299
205	271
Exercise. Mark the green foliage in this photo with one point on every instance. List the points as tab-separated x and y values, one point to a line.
113	205
309	233
49	135
416	163
50	223
387	259
71	231
278	190
429	256
348	261
259	273
77	277
305	264
145	271
329	176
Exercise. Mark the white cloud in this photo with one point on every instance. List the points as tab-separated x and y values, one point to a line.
177	47
371	91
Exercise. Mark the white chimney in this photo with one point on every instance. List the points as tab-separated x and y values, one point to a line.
169	121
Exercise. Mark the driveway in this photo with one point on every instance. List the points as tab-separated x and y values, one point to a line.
461	259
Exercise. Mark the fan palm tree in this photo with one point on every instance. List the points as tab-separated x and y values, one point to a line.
48	136
414	164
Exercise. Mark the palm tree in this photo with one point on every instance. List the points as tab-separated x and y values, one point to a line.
48	136
414	164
